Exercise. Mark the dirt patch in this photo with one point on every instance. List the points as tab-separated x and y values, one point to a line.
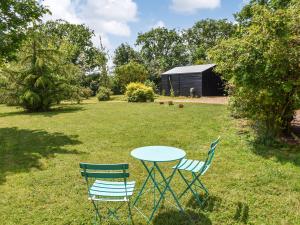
205	100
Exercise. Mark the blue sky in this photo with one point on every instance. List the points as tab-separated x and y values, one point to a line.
118	21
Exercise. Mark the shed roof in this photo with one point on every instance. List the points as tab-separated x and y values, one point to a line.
189	69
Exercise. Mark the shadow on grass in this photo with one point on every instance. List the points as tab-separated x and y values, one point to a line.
213	203
242	212
53	112
210	204
284	153
22	149
171	217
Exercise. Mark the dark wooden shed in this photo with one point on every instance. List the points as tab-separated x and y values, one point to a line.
202	78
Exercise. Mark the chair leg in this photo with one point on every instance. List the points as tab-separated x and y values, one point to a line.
189	187
129	212
202	185
97	214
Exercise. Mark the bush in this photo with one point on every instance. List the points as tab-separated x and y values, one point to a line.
138	92
104	94
86	93
151	84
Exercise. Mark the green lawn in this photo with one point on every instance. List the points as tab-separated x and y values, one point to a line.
39	155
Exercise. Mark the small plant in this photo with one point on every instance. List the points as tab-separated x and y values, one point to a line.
180	106
163	92
170	103
138	92
172	93
104	94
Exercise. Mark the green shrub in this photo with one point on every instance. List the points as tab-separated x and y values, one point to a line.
172	93
86	93
138	92
104	94
151	84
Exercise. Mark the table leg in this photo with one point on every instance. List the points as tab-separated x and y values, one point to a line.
168	186
150	171
167	182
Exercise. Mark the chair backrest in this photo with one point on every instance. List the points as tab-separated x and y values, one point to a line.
104	171
210	155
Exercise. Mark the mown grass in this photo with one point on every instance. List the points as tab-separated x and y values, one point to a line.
39	155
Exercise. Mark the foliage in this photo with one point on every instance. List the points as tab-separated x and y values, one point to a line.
86	93
204	35
104	94
115	85
161	50
244	17
150	83
131	72
172	93
42	74
82	52
138	92
262	66
124	54
15	17
79	36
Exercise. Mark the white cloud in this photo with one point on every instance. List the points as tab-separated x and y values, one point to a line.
191	6
103	16
158	24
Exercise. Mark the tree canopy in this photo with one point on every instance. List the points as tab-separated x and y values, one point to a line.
15	17
162	49
204	35
124	54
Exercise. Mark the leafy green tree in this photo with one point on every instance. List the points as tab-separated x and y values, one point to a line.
42	74
161	50
245	15
124	54
262	66
82	53
15	17
204	35
131	72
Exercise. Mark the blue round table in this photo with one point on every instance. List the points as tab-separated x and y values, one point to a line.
155	155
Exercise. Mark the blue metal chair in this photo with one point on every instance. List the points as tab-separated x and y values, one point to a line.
108	191
197	168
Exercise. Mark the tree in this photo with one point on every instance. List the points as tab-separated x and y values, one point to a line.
161	50
262	65
83	53
245	15
204	35
131	72
15	17
124	54
42	74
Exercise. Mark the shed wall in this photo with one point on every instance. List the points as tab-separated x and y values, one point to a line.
212	84
182	83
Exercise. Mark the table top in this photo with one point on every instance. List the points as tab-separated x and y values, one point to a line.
158	153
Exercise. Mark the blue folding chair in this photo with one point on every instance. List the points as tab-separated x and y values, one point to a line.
108	191
197	168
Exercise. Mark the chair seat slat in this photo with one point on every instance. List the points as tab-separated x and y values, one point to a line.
110	194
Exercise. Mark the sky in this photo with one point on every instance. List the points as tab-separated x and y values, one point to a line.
119	21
